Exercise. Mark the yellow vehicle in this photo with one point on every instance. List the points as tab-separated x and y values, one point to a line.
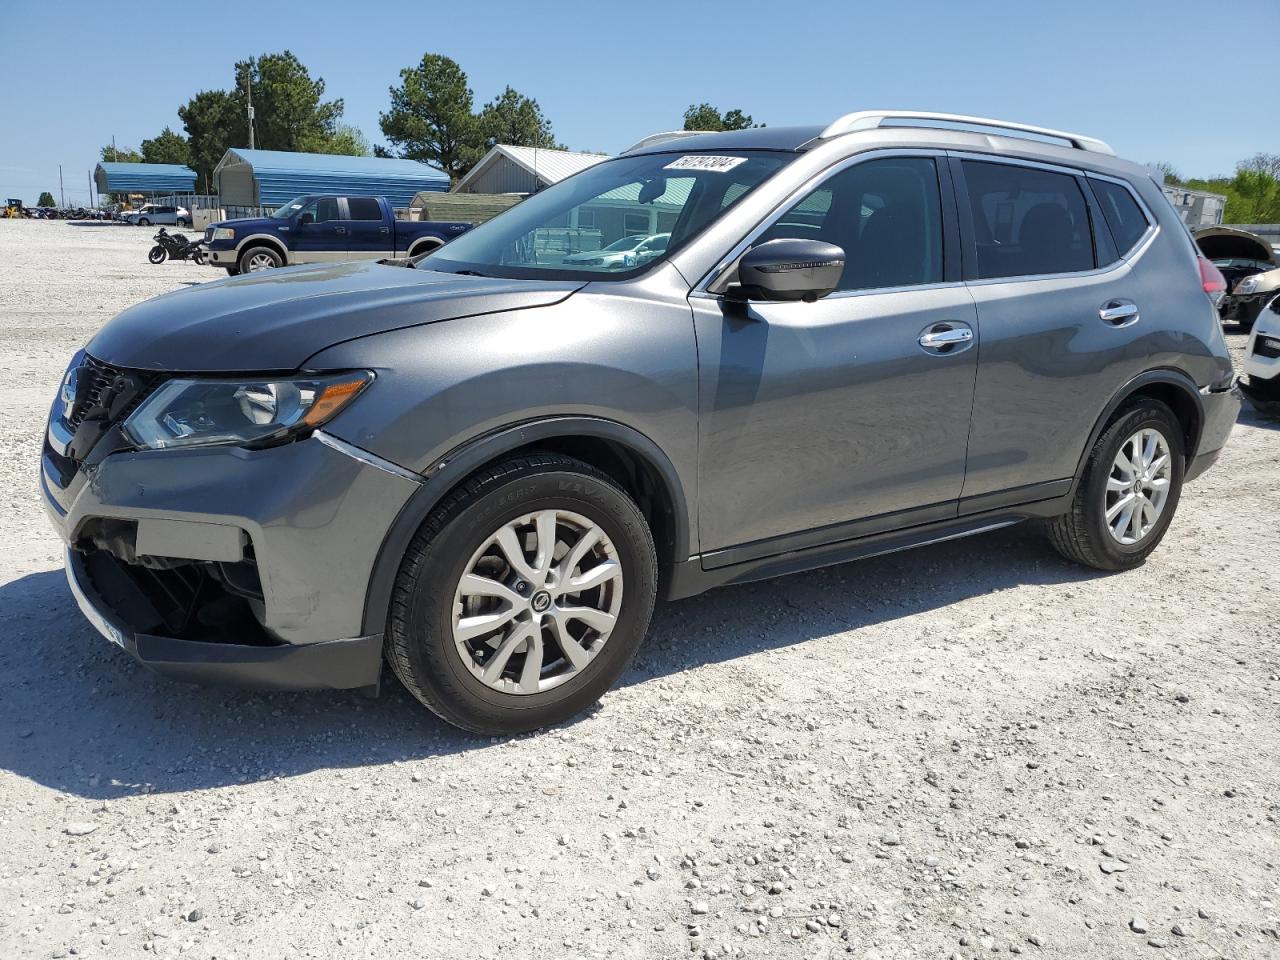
13	209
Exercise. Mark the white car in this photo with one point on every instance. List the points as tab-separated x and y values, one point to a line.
153	213
1261	380
632	251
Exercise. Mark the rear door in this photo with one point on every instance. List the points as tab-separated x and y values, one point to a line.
369	233
1060	310
848	416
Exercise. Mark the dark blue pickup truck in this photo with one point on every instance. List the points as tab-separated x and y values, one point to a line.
321	227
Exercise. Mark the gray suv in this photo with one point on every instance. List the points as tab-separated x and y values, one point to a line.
484	465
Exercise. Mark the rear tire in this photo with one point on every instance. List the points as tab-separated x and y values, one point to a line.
441	661
1086	532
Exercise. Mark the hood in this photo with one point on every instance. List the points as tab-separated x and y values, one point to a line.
276	319
1224	243
251	223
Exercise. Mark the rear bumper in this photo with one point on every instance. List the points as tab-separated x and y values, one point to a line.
1220	411
338	664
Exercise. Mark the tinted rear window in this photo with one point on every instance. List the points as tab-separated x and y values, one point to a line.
1122	213
364	208
1027	221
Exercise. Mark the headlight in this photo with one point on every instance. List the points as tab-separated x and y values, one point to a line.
255	413
224	233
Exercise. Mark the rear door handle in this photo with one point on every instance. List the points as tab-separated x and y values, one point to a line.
947	338
1119	313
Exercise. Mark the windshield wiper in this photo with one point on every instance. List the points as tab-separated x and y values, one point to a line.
470	273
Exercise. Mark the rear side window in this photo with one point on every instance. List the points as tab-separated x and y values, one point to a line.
364	208
1027	221
1123	215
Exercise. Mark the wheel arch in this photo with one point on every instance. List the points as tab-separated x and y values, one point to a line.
1173	388
632	459
424	245
263	240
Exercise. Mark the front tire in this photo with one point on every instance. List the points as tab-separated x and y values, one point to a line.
523	596
157	254
256	259
144	222
1128	492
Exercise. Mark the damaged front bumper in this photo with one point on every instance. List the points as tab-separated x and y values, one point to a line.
230	565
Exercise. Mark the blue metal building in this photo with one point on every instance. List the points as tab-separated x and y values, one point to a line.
248	178
145	178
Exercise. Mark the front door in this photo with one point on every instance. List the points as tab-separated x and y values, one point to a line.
319	233
830	420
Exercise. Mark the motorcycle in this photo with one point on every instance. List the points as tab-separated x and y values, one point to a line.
175	246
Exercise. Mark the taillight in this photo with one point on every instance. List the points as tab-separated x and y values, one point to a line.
1211	277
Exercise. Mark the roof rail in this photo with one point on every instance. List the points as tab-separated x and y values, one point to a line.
649	141
871	119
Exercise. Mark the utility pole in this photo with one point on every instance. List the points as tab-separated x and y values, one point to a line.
91	188
249	77
62	193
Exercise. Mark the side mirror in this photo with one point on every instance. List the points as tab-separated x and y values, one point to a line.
305	220
786	270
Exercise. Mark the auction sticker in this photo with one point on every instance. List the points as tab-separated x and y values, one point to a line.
702	161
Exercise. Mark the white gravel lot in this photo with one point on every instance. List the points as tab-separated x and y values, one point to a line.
970	750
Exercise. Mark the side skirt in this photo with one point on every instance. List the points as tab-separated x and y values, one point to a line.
696	575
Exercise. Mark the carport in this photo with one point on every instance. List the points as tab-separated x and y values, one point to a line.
269	178
148	179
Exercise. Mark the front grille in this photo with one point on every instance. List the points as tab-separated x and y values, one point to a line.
1265	346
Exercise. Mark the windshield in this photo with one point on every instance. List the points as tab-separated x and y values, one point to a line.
614	206
288	210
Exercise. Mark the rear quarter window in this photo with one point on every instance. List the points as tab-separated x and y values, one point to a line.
1124	217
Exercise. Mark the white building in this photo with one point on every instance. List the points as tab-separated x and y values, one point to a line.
506	169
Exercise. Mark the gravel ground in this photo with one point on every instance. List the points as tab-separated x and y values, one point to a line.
972	749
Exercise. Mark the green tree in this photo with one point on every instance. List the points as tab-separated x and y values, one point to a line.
46	199
517	120
213	121
1168	173
347	141
703	116
289	112
167	147
112	154
431	116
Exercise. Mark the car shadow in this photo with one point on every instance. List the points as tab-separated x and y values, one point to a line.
1256	418
80	716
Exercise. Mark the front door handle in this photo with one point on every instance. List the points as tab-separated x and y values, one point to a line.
1119	313
946	338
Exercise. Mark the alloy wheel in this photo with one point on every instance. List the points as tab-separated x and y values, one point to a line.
537	602
261	261
1138	486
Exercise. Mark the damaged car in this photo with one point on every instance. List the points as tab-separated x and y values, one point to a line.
1261	379
1250	267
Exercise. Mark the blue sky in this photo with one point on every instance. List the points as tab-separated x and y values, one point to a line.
1138	74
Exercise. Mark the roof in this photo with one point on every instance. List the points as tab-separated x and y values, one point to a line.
755	138
282	175
549	166
115	177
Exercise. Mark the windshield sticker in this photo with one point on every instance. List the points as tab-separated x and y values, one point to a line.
700	161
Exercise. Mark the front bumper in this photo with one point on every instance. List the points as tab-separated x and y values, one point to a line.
221	258
337	664
306	518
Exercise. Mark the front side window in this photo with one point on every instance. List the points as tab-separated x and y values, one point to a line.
1027	221
322	210
590	225
364	208
1123	215
886	215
